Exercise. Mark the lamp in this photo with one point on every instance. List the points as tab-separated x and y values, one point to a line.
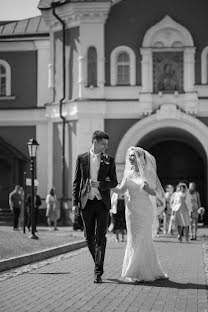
32	149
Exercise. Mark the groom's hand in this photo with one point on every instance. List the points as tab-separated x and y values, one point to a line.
75	210
94	183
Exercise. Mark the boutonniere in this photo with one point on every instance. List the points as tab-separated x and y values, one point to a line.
105	159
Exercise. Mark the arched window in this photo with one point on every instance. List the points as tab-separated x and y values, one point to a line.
92	67
5	79
123	69
123	62
204	66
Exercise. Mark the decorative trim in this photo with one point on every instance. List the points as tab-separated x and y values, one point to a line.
169	29
14	117
17	46
8	77
204	66
7	98
151	123
173	37
113	65
76	13
42	44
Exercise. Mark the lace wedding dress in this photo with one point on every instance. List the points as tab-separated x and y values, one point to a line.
140	260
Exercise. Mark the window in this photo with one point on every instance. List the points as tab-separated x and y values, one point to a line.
2	80
92	67
5	79
123	69
123	66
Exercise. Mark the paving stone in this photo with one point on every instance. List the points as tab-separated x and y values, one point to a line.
65	283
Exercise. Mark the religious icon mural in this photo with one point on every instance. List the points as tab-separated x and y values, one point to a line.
167	72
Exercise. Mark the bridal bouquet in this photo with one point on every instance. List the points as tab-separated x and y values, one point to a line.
201	211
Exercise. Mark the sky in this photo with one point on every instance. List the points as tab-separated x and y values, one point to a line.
18	9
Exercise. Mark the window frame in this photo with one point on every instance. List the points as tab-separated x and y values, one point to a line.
8	78
122	64
96	64
114	66
204	66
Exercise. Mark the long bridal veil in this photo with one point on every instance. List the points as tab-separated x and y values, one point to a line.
148	171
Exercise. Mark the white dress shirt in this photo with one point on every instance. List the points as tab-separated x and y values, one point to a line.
94	169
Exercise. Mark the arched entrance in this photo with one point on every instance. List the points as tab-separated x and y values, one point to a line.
179	156
165	132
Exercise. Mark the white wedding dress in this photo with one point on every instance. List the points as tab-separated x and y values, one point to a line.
140	260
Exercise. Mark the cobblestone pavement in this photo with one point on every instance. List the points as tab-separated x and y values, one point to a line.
65	283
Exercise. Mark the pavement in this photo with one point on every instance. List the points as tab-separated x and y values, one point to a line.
65	282
49	244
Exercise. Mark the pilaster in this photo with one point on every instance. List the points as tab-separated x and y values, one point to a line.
189	71
146	69
43	158
43	53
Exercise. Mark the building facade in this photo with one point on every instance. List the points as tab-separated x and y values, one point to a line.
132	68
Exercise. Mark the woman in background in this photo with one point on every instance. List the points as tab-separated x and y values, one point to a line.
172	226
118	224
167	212
51	210
181	212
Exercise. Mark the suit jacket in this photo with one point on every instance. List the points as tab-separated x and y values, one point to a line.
106	177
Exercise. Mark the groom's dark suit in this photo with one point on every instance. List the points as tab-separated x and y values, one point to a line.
95	213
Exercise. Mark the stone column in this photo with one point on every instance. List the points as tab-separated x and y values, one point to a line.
189	69
81	80
44	155
43	60
147	71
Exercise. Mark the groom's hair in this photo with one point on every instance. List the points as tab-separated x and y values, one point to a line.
99	135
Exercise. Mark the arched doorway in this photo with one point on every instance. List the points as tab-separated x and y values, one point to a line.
170	125
179	156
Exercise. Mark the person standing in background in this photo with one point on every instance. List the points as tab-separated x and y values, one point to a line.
51	210
167	212
181	211
195	204
172	226
21	218
118	215
15	205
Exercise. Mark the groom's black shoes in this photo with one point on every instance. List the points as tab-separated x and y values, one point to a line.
98	279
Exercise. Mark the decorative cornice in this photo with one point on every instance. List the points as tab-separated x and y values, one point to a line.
17	46
74	14
169	33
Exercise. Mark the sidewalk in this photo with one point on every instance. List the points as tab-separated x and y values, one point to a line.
17	248
65	283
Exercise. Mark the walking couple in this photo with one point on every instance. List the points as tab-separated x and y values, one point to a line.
95	176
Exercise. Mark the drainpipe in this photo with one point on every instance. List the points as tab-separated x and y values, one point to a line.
54	5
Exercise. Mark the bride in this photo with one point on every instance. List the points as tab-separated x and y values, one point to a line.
142	190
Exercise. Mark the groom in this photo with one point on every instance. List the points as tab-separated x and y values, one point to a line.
95	175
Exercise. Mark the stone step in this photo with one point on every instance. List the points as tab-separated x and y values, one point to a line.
6	217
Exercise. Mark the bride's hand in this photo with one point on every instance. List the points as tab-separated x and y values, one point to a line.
148	189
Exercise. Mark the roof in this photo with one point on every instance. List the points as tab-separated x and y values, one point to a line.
10	150
30	26
46	4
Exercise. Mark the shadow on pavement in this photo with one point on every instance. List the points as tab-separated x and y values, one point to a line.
49	273
160	283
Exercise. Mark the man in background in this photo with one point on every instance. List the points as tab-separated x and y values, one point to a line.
15	205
